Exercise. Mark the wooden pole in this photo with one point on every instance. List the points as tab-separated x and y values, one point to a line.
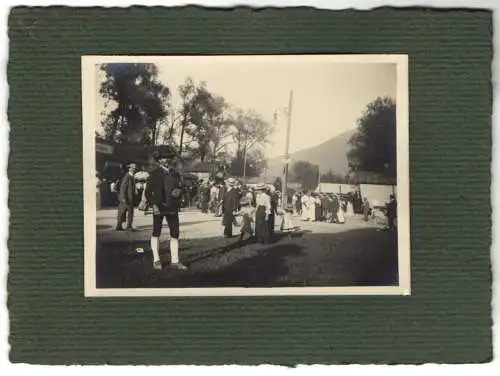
284	199
245	164
319	179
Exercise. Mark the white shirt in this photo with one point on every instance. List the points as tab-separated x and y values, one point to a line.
263	199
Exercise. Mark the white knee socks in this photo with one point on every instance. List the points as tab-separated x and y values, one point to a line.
174	250
155	246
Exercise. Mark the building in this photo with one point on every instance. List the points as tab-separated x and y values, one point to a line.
112	158
202	170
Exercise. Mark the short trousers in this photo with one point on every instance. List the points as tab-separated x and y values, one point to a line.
172	221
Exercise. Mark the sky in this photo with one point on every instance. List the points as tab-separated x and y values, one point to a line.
328	97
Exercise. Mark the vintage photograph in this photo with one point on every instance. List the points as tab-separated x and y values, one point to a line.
246	175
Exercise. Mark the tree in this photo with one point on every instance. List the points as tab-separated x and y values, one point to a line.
373	146
254	164
140	100
306	174
250	131
331	177
187	92
209	124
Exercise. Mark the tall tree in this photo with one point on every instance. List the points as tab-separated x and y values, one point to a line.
209	124
187	92
250	130
140	100
373	146
306	174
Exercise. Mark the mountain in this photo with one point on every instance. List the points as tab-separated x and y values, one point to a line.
329	155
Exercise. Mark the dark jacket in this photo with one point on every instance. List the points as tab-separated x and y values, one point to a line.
127	190
230	202
161	186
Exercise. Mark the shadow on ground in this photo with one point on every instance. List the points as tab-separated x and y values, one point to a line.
361	257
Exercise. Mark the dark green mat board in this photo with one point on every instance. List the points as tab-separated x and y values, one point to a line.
448	316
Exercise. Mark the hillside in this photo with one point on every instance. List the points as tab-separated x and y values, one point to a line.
330	155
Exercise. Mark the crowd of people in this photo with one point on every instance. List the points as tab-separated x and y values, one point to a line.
260	205
313	206
254	209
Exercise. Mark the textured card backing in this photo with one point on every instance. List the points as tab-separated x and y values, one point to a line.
446	319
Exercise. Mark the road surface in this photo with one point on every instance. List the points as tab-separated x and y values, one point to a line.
321	254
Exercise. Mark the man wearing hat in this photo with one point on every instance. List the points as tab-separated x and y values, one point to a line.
391	212
229	206
126	198
163	193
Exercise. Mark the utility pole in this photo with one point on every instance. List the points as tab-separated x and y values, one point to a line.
284	199
319	179
245	164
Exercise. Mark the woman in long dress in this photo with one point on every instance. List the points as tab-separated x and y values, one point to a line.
247	211
305	207
262	212
341	213
311	207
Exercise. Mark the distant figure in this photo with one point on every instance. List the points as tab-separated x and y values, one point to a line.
247	211
324	207
392	212
287	217
221	194
341	211
335	209
271	218
294	203
229	207
98	191
366	209
126	199
317	207
204	197
263	210
214	194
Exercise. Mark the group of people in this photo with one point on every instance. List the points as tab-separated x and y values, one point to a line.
161	194
253	209
313	206
108	189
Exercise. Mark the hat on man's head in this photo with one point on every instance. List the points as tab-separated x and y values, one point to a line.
164	152
231	181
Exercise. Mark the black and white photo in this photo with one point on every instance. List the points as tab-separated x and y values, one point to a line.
246	175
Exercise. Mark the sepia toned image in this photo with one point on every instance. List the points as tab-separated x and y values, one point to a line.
246	175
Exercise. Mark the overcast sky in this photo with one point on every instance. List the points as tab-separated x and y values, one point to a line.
328	97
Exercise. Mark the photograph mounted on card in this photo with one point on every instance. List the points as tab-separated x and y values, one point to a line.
246	175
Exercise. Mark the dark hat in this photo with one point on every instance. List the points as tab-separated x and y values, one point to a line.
164	152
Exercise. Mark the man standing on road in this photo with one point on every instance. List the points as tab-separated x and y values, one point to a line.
229	207
163	193
391	212
126	198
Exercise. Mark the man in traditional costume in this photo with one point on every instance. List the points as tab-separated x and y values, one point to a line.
163	193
